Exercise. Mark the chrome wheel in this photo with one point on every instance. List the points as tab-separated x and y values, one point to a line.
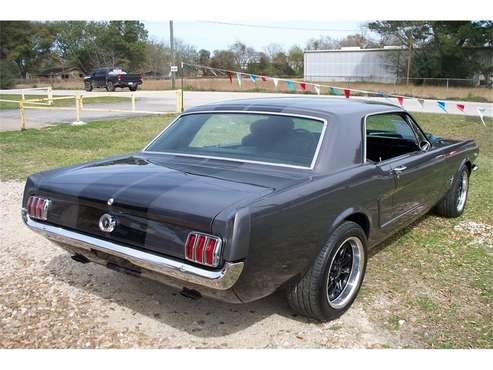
345	272
462	191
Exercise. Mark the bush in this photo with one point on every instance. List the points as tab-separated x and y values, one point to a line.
8	74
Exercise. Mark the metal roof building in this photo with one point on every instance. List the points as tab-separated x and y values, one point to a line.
351	64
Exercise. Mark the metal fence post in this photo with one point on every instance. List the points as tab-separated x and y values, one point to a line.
21	113
133	102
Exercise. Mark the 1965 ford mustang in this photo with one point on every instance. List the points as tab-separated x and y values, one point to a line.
237	199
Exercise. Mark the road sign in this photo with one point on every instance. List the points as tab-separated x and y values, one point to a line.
174	68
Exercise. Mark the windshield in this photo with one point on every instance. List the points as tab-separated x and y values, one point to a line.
266	138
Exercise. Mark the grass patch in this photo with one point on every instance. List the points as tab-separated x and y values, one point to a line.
436	275
34	150
60	103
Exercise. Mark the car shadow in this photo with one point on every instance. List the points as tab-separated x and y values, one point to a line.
202	317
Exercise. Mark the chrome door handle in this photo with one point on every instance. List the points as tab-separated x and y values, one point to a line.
400	168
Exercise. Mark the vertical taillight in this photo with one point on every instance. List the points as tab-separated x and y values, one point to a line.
37	207
203	248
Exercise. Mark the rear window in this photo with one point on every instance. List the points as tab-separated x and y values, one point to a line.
267	138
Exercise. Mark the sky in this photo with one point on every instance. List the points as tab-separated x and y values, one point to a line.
212	36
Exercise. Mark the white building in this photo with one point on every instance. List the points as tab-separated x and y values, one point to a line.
352	64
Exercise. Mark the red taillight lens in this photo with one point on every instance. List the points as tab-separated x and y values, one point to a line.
190	246
203	248
199	251
119	77
37	207
209	251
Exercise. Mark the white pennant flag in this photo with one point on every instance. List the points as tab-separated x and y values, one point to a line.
276	81
238	77
317	89
421	103
481	114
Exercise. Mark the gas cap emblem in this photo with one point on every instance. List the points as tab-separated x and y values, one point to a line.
107	223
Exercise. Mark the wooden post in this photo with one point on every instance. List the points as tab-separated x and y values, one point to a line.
133	102
50	95
21	113
179	101
77	108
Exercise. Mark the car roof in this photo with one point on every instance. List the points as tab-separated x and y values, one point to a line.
313	106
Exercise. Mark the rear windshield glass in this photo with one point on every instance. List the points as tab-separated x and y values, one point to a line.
253	137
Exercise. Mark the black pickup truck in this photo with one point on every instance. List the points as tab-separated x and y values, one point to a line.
111	78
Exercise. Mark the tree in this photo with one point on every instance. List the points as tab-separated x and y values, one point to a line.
243	54
26	44
223	59
441	48
358	40
296	59
322	43
102	44
204	57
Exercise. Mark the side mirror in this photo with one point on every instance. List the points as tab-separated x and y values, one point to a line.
424	146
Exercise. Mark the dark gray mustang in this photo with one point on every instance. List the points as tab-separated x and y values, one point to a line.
237	199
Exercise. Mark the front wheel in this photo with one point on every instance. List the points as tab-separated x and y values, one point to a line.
331	284
110	86
88	86
133	88
453	203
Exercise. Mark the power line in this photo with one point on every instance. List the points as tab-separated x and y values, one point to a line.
283	27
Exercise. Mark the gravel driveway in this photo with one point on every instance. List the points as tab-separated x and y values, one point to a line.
49	301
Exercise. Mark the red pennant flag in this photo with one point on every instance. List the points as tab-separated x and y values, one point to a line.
303	86
263	78
400	99
230	76
460	107
347	93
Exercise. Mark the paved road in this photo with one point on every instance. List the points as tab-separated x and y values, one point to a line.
166	101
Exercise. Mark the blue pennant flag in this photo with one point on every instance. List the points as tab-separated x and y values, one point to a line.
290	84
253	78
381	94
441	105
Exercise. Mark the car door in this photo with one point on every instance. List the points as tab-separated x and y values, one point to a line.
100	77
403	159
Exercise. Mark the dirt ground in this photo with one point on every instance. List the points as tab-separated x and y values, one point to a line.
49	301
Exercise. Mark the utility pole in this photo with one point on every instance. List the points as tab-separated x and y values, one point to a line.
410	52
172	48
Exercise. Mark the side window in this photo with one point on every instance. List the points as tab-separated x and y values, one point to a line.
389	136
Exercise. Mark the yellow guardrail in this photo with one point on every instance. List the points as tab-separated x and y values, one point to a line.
46	104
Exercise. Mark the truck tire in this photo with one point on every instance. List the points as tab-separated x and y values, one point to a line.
110	86
133	88
88	86
331	284
453	203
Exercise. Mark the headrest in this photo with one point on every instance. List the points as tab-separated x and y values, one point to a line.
273	125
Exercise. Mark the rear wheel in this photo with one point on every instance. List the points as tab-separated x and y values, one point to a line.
133	88
88	86
454	202
110	86
330	286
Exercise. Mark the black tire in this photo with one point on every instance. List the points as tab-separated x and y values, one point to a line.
133	88
454	202
110	86
309	295
88	86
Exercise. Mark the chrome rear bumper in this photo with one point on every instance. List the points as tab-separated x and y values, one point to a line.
220	279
